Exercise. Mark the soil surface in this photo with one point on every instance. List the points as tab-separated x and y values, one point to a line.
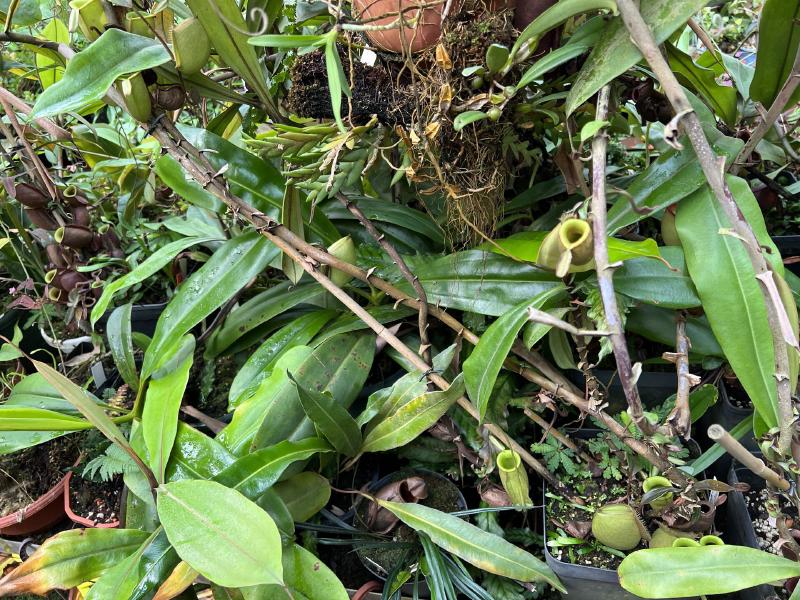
26	475
764	526
96	501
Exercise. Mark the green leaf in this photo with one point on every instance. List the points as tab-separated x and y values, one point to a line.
91	72
496	57
228	270
672	177
732	299
254	473
307	577
590	129
259	365
23	418
162	407
653	282
413	418
615	53
11	351
196	456
70	558
258	310
679	572
51	69
141	574
287	41
778	40
304	494
722	99
154	263
292	218
557	14
338	366
34	391
228	33
658	324
255	181
389	213
27	12
220	533
484	550
173	175
337	80
479	282
701	399
120	342
331	419
81	400
465	118
483	365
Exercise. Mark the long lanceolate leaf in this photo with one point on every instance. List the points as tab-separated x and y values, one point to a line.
484	364
78	397
91	72
227	271
412	419
154	263
160	414
254	473
120	342
139	575
732	299
70	558
700	571
331	419
481	549
778	39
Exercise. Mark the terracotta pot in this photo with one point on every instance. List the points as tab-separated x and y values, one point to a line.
41	515
78	519
425	35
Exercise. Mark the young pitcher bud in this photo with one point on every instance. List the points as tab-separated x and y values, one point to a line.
514	477
137	97
617	526
568	248
669	233
191	46
344	249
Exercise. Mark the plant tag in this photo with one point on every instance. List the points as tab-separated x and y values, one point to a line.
368	57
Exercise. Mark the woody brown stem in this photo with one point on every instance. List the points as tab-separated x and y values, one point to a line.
413	280
605	271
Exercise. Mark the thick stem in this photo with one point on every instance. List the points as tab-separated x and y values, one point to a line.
717	433
681	417
425	345
712	169
605	271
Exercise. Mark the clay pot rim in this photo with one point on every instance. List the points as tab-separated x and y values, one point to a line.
30	511
78	519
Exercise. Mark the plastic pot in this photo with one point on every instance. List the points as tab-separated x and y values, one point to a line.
724	413
78	520
739	526
143	317
789	245
40	515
